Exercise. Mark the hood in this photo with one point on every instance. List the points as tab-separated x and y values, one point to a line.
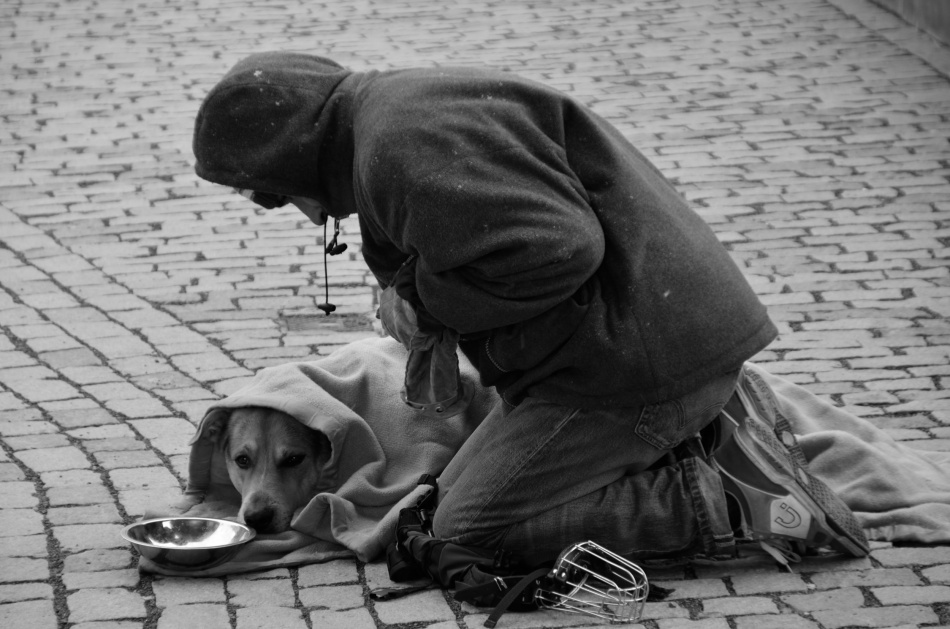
280	122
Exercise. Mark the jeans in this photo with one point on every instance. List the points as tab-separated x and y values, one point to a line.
537	477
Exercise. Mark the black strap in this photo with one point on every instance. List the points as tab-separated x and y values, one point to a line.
513	594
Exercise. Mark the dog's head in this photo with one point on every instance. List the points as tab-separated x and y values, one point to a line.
273	460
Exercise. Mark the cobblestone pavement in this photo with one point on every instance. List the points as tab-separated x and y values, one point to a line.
812	135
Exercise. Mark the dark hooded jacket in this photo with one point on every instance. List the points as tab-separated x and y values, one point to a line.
570	266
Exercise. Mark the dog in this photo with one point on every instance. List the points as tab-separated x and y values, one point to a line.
273	461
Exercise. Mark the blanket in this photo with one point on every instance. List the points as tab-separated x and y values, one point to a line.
381	447
899	493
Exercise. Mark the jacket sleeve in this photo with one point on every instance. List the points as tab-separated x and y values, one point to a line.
501	238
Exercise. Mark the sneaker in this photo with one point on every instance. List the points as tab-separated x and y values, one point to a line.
779	500
758	400
752	398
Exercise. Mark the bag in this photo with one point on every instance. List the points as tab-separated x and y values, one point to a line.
586	578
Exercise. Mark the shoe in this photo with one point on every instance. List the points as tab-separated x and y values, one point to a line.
759	401
779	500
752	398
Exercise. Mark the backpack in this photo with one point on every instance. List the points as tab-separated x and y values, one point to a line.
483	577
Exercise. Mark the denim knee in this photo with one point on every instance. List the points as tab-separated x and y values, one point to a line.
447	525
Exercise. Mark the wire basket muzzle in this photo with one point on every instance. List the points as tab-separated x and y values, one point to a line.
589	579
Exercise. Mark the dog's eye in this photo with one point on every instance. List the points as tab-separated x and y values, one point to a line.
294	460
243	461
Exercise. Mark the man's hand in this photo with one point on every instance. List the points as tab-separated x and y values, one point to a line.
432	370
399	319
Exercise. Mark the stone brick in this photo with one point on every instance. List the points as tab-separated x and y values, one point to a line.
96	433
905	595
142	478
176	591
17	495
264	617
153	501
349	619
78	495
911	556
844	598
96	560
685	623
70	478
277	592
660	610
874	577
696	588
936	574
204	616
24	569
13	428
739	606
17	522
141	407
876	616
49	459
25	592
10	472
24	546
104	604
75	537
33	614
75	418
36	442
103	579
783	621
111	460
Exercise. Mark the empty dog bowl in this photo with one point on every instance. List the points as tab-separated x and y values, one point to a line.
186	543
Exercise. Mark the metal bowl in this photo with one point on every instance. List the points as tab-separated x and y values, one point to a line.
187	543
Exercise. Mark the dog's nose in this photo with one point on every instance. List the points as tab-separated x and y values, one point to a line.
259	519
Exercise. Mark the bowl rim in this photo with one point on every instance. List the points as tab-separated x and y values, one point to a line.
125	531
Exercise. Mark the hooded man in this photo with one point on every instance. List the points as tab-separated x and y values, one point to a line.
505	218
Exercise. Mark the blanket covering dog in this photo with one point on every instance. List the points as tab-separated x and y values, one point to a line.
381	447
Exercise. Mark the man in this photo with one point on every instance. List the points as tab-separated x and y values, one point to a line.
504	216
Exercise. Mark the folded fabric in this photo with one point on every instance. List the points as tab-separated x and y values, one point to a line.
897	492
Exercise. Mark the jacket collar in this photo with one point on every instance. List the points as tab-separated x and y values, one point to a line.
336	152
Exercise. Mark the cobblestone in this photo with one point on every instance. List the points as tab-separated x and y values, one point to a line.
739	606
105	604
205	616
170	591
912	615
38	614
813	136
844	598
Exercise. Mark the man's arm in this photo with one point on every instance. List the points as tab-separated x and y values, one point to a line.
501	239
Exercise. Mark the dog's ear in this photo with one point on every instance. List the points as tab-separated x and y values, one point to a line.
212	426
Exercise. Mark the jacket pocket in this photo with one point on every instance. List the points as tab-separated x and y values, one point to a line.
667	424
